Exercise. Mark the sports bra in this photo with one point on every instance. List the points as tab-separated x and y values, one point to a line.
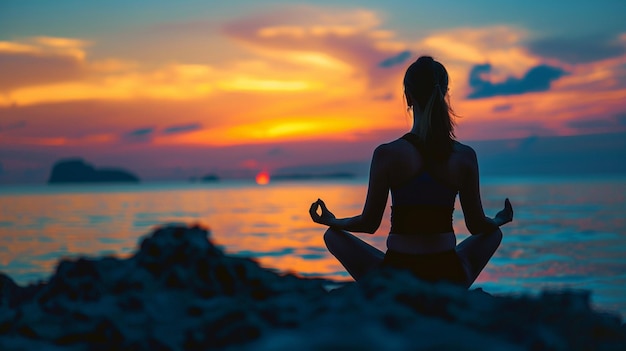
422	205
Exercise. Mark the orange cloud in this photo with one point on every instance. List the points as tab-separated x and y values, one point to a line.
294	129
176	81
319	39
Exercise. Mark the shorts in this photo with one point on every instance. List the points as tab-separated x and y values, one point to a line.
435	267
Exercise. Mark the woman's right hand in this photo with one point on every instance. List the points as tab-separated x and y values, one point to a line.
326	217
505	215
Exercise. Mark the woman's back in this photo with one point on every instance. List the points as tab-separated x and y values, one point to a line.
405	163
456	174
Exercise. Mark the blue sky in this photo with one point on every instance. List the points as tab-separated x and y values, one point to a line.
64	18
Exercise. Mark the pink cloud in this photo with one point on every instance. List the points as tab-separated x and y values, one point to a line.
24	65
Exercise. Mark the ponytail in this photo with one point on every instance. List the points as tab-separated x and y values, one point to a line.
426	83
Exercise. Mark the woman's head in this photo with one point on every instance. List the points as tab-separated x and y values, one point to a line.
426	88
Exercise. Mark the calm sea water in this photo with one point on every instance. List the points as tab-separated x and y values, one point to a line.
567	232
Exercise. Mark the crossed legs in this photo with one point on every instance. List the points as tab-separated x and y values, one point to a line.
359	257
476	250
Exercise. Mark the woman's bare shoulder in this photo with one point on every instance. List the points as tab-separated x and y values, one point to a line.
392	146
464	150
464	156
389	153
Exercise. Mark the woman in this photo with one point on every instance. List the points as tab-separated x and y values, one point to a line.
424	170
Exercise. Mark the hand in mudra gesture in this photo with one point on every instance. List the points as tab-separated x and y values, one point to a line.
326	217
506	214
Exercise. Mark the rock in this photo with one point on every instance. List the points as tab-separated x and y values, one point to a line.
8	291
179	292
77	171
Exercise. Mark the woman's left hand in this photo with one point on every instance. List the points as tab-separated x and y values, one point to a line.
326	218
505	215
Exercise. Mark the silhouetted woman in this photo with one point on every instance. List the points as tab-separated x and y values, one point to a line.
424	170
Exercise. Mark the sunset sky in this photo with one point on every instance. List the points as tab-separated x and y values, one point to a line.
173	89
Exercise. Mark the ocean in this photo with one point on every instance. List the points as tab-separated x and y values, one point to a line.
568	233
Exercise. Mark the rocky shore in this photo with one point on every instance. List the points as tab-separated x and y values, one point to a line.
180	292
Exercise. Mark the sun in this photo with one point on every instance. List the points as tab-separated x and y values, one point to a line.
262	178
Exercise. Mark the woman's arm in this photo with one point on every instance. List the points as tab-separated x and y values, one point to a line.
377	192
471	203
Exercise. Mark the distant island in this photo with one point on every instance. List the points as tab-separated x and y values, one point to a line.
210	178
207	178
78	171
311	176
